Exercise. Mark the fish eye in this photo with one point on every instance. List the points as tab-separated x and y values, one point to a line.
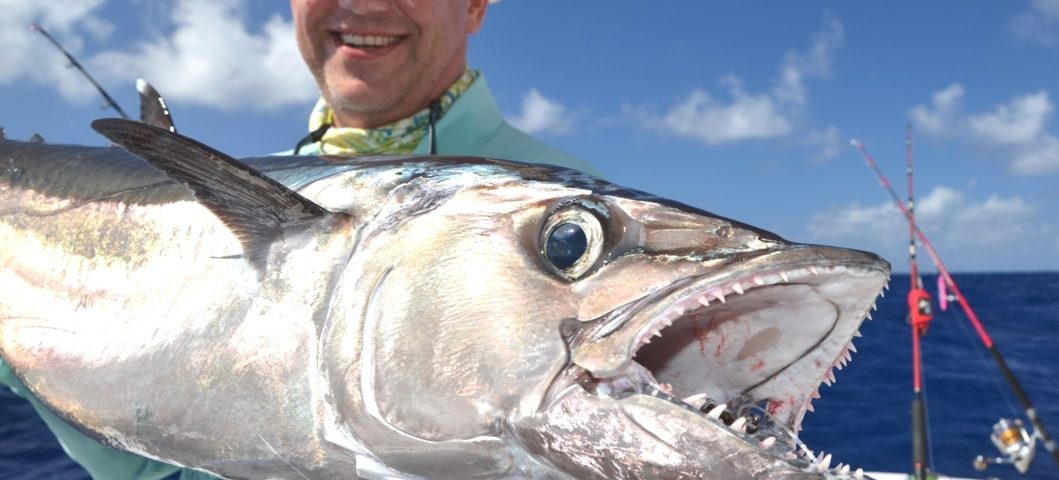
572	241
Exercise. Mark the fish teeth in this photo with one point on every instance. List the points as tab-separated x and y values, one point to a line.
843	469
852	347
857	334
738	424
768	442
704	301
758	280
786	278
825	461
715	412
814	270
718	294
858	473
809	406
737	288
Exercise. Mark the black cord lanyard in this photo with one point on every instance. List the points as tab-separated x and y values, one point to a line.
433	117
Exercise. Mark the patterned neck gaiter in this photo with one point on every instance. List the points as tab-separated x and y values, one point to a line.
399	137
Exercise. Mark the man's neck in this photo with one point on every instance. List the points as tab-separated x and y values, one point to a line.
346	118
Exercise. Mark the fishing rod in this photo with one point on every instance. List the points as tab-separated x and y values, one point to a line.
109	102
1009	376
919	320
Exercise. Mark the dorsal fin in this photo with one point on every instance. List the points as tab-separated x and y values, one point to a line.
255	207
153	110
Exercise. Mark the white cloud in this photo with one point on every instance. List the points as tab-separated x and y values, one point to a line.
828	143
814	62
740	115
938	119
951	220
27	56
1040	24
1020	121
1016	130
211	57
541	114
702	117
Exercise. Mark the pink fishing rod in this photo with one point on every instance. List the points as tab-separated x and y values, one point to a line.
1009	376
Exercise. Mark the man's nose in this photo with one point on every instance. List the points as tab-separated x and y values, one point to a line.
365	7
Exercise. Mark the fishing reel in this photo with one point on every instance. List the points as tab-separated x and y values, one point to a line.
1015	444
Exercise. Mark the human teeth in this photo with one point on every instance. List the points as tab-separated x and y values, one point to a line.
368	40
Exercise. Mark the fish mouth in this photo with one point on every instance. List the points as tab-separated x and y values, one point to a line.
745	347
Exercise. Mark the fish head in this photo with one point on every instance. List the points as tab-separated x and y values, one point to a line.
591	329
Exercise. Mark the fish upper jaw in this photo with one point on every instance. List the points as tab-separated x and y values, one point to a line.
746	344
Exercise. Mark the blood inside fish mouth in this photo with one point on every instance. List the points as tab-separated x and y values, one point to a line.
748	353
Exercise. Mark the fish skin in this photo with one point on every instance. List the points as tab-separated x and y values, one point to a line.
415	330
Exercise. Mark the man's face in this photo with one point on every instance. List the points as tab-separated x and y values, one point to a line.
377	61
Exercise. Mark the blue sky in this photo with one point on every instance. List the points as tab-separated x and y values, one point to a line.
746	111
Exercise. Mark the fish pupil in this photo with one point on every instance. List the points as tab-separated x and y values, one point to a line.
566	245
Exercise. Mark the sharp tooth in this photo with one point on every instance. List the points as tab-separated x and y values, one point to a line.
718	294
758	280
843	469
867	314
738	424
717	411
658	333
814	270
825	462
695	399
785	277
858	473
768	442
827	381
874	306
809	406
737	288
831	375
847	356
704	301
679	310
852	347
815	395
857	334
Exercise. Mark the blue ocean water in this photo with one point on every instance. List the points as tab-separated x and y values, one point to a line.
864	418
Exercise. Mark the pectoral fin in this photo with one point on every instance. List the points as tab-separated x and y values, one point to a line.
255	207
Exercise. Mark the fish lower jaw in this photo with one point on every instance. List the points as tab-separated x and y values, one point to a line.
747	420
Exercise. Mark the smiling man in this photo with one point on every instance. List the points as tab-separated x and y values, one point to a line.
394	79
